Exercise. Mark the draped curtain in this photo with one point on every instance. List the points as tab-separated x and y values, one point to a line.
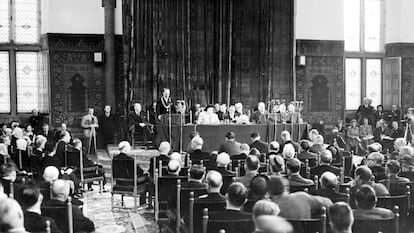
208	51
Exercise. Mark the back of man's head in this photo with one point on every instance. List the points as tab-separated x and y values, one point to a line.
214	180
293	165
329	180
365	197
278	185
252	163
277	163
255	136
8	171
29	195
60	190
274	146
375	159
259	186
326	157
175	156
230	136
318	139
124	147
364	173
265	207
393	167
173	167
244	148
197	143
164	148
11	215
341	217
196	172
223	159
77	143
288	151
51	173
305	145
237	194
285	135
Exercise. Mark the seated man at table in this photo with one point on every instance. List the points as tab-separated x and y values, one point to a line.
197	153
259	116
295	179
236	196
240	116
262	146
325	165
209	117
230	146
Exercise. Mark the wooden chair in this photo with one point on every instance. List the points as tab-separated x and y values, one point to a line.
46	192
308	188
8	187
74	158
227	180
402	201
310	225
62	215
373	226
305	169
47	226
230	226
198	211
125	181
344	199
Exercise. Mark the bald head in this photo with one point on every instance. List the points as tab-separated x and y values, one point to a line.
124	147
176	156
214	181
51	173
164	148
326	157
197	143
223	159
60	190
285	135
274	146
363	173
328	180
173	167
244	148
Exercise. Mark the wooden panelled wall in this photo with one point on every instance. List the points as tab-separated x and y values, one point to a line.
208	51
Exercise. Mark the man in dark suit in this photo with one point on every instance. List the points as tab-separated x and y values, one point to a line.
60	191
138	124
295	179
251	166
7	175
325	165
125	148
195	181
164	104
197	153
262	146
236	196
164	149
230	146
47	133
31	199
107	126
223	160
328	184
214	201
305	154
36	121
286	138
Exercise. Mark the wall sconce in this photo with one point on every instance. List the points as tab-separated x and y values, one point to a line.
98	57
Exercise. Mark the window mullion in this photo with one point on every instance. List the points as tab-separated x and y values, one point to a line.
13	83
362	27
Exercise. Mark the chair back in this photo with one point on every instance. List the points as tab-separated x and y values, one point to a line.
344	199
73	158
409	175
347	163
46	191
227	180
298	188
402	201
230	226
310	225
122	169
62	215
374	226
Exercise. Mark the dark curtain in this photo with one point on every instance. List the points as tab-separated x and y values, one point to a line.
208	51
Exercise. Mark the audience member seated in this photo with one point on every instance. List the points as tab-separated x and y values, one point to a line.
244	152
298	205
396	131
286	138
173	168
260	116
407	163
365	132
306	154
271	224
341	218
251	167
338	139
31	199
8	174
363	175
295	179
197	153
274	148
365	200
257	143
325	165
317	146
124	149
399	143
240	116
392	169
195	181
208	117
277	165
60	191
61	147
352	134
288	151
230	146
235	197
375	161
222	161
329	181
4	152
164	149
258	191
11	216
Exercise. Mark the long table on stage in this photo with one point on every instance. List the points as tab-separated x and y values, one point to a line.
214	135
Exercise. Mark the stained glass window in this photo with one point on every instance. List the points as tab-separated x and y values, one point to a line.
4	21
26	21
373	79
352	25
353	83
372	27
27	80
5	83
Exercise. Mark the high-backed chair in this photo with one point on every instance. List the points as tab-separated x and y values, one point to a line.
46	191
74	158
62	215
402	201
310	225
125	181
230	226
8	187
374	226
227	180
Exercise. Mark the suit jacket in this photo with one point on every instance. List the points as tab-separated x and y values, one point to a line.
198	155
246	178
230	147
319	170
227	222
332	194
164	158
300	205
372	214
80	222
212	201
49	135
263	147
312	157
107	125
134	119
160	106
60	153
298	180
34	222
123	156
